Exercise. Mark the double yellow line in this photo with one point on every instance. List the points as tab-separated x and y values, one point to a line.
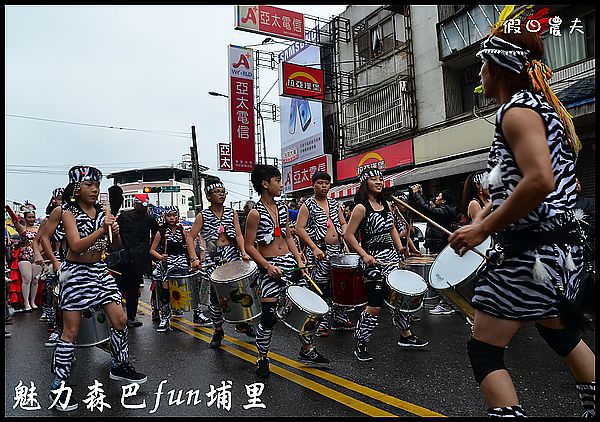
183	324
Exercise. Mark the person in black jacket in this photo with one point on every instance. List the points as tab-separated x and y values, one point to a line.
446	215
587	292
136	226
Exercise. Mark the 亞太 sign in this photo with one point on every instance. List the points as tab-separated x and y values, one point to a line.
269	20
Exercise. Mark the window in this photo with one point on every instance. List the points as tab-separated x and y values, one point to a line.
572	47
377	36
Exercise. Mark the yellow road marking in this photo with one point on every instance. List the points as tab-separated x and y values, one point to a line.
366	391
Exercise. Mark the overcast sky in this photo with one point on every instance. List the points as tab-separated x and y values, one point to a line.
140	67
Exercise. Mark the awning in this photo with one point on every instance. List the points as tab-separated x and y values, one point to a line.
350	189
445	168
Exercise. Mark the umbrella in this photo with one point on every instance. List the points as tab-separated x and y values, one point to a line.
9	231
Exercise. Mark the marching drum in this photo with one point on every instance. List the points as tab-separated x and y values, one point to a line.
184	291
454	276
236	285
421	265
347	285
407	290
302	310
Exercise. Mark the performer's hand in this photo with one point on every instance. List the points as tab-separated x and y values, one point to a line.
303	259
55	265
109	220
369	260
319	254
196	265
115	228
246	257
466	238
163	257
39	261
274	272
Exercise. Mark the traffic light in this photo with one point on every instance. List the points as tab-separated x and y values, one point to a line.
191	203
153	189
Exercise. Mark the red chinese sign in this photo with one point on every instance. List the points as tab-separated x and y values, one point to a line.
241	108
300	81
225	157
270	20
398	154
299	176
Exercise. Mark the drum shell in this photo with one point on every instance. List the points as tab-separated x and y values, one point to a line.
94	327
186	284
404	301
229	293
297	317
422	268
347	287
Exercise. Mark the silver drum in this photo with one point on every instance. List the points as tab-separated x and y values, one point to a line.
349	260
407	290
302	310
94	327
184	291
236	285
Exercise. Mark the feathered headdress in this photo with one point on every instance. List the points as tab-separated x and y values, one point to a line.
515	58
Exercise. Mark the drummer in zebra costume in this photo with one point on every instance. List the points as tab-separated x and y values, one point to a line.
86	283
269	243
171	247
320	226
378	249
51	238
533	271
220	228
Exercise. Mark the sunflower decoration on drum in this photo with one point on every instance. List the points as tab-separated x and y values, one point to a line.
180	296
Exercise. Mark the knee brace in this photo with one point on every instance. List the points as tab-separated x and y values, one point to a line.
561	341
485	358
268	317
375	293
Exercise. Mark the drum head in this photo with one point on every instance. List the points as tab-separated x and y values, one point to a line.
449	269
408	282
345	261
233	270
307	300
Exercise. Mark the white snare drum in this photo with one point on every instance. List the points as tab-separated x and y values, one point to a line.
94	327
302	310
236	285
454	276
407	290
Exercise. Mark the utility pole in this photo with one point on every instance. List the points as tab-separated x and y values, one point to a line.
195	173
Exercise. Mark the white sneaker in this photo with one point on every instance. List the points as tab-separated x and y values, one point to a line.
163	325
52	339
441	309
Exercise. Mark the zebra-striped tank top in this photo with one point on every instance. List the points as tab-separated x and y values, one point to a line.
376	227
86	226
316	226
265	233
176	249
211	224
562	160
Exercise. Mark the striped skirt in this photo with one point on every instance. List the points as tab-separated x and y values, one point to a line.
274	287
87	286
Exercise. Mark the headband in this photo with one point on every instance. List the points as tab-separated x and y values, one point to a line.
213	185
506	55
58	192
370	172
79	174
171	209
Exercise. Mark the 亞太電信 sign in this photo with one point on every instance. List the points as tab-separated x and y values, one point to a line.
269	20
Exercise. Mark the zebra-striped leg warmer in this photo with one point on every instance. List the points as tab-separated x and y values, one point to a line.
587	394
62	359
119	345
365	326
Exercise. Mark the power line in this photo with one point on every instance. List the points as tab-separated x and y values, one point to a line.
157	132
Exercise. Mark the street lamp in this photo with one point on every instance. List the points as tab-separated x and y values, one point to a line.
262	122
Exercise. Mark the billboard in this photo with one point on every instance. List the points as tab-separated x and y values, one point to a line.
241	108
269	20
300	81
398	154
299	176
301	128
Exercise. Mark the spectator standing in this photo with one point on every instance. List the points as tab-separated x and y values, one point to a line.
587	296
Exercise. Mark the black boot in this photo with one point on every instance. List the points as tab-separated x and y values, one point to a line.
215	343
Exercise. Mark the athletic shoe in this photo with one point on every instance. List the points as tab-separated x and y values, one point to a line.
322	331
70	406
155	315
441	309
245	328
126	372
215	343
177	313
343	326
52	339
201	319
164	325
361	353
135	323
44	317
313	358
262	368
412	341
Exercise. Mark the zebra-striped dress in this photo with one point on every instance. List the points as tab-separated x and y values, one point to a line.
87	285
510	291
177	261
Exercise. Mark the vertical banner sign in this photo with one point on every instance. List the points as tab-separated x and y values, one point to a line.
269	20
241	108
225	157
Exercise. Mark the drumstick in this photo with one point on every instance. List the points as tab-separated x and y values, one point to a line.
115	272
107	211
314	284
429	220
297	269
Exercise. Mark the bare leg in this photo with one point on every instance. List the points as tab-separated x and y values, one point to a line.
35	272
26	275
